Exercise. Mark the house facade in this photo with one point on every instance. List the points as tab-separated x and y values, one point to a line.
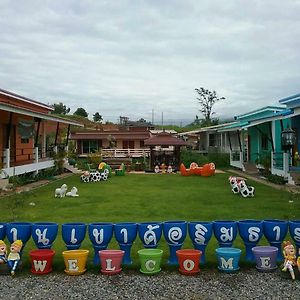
23	134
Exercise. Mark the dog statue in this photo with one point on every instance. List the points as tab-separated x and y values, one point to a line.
246	191
61	192
73	192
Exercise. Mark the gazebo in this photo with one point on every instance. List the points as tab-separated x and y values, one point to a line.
164	148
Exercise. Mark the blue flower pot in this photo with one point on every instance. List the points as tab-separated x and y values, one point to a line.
125	234
174	233
200	233
44	234
251	231
275	232
18	231
228	259
100	235
225	232
150	233
73	234
2	230
294	226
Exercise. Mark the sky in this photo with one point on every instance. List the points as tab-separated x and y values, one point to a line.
144	59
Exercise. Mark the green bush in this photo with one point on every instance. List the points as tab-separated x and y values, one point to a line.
276	179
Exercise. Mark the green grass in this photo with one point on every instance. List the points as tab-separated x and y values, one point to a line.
147	197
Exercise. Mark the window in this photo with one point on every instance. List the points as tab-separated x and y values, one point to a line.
212	140
142	144
24	141
128	144
90	146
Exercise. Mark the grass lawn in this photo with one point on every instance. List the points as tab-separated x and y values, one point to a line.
147	197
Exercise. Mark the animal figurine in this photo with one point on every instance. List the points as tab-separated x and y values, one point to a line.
289	254
245	190
73	192
234	184
61	192
3	253
169	170
156	169
14	257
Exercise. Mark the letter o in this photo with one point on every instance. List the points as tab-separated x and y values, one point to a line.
188	265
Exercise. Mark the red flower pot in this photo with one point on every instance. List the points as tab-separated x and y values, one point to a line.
41	261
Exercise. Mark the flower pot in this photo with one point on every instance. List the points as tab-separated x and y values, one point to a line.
73	234
228	259
265	257
189	260
150	233
18	231
75	261
225	232
150	260
2	231
111	261
44	234
41	261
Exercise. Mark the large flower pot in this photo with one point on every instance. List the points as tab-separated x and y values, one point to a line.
189	260
41	261
265	258
228	259
225	232
150	233
111	261
251	231
174	233
18	231
75	261
2	230
294	226
44	234
275	232
73	234
150	260
200	234
100	235
125	234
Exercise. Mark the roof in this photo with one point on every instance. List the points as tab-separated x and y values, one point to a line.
100	135
259	113
204	129
25	99
291	101
156	131
164	139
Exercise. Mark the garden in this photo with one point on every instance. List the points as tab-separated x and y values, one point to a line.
147	197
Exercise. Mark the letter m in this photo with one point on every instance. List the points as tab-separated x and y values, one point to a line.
227	264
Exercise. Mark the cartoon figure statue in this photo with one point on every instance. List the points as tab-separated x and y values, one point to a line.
14	256
3	253
289	254
298	261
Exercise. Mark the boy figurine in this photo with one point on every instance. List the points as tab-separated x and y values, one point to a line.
289	254
14	258
3	253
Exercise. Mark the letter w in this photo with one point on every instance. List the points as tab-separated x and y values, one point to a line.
40	265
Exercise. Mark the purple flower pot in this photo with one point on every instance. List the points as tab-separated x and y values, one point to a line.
265	258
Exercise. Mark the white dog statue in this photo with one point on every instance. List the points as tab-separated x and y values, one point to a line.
73	192
61	192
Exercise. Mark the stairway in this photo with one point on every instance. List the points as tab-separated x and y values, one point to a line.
72	169
250	168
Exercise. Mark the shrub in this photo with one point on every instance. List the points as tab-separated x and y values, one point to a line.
276	179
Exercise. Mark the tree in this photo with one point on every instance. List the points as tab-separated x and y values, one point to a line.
60	109
207	100
81	112
142	120
97	117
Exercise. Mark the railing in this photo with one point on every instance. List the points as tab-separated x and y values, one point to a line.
235	155
278	160
135	153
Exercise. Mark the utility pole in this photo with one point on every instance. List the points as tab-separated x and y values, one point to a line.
162	120
152	116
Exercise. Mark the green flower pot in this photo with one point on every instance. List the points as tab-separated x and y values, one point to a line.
150	260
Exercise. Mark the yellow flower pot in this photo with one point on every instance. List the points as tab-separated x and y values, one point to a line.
75	261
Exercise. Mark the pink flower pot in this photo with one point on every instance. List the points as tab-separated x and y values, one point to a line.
111	261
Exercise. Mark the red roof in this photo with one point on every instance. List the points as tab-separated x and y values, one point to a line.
129	135
164	139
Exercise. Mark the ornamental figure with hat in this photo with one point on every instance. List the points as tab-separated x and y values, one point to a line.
289	254
3	253
14	257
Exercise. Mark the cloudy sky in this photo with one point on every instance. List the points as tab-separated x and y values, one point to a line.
129	58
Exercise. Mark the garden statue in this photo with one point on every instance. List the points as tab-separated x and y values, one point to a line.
73	192
246	191
289	254
234	184
156	169
14	258
61	192
3	252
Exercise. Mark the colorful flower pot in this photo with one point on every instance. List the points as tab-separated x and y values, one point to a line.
44	234
41	261
18	231
225	232
73	234
150	260
174	233
251	231
200	234
111	261
2	230
265	258
189	260
294	227
275	232
75	261
228	259
125	234
150	233
100	235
